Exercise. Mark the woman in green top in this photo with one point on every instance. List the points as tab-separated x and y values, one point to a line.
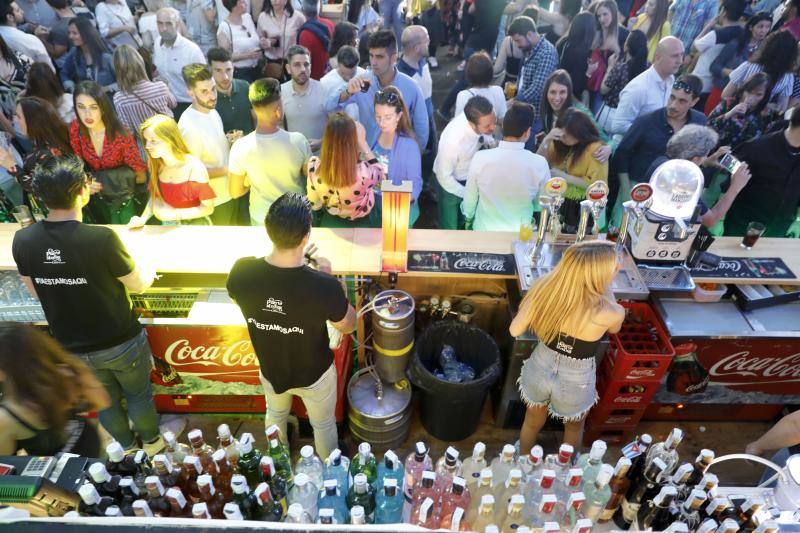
556	99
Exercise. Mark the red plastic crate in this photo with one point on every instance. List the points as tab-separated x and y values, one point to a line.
641	351
612	435
615	415
625	394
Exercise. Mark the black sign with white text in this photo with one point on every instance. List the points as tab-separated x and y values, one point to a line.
746	268
462	263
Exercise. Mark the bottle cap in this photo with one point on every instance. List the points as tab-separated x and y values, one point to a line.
306	452
665	496
508	452
551	527
487	500
115	452
302	480
246	443
646	439
357	514
574	477
547	479
89	494
681	527
523	529
200	510
451	455
113	510
176	494
576	500
708	480
224	431
232	511
486	475
263	494
427	474
364	448
518	499
218	456
390	459
153	483
705	457
459	481
682	474
584	525
675	437
72	514
623	465
239	484
389	482
204	480
329	484
565	452
604	475
696	498
326	515
335	457
536	456
708	526
128	483
192	461
162	461
140	457
478	451
195	436
141	509
728	524
295	510
458	516
169	438
547	503
491	528
598	449
99	473
267	462
421	451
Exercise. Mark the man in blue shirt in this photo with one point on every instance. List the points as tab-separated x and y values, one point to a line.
383	72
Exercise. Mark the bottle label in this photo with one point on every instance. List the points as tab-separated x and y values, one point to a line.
629	510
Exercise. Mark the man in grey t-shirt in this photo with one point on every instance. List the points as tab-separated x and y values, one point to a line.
270	161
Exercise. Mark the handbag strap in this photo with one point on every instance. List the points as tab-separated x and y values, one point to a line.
145	102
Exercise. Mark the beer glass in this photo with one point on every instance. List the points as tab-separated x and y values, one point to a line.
752	233
23	215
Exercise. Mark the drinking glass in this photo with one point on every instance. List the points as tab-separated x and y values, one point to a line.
752	233
23	215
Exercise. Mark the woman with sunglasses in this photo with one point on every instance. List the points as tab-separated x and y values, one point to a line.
237	34
396	147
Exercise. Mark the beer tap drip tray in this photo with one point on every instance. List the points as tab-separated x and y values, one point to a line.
675	278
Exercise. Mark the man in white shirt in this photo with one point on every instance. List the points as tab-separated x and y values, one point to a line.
347	68
201	128
10	16
461	139
172	54
649	90
270	161
303	98
503	182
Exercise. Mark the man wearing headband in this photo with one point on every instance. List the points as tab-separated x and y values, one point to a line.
648	135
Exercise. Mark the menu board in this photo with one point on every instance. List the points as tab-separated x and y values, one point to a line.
745	268
462	263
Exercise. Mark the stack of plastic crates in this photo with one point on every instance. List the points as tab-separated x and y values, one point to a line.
630	374
164	303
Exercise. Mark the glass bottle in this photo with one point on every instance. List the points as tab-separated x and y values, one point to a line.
680	478
390	467
626	513
297	515
513	517
364	463
532	465
357	516
156	496
175	450
362	493
667	451
268	509
747	512
141	509
485	515
249	459
228	443
105	483
202	451
655	513
119	464
210	496
310	465
142	463
590	462
456	521
619	487
447	467
192	468
200	511
92	504
129	493
483	488
337	467
389	503
472	465
113	510
598	493
504	492
167	474
426	515
224	473
544	512
334	500
560	462
232	511
690	510
636	451
416	463
305	493
242	497
326	516
569	511
502	464
457	496
701	464
279	453
686	375
533	494
277	483
569	484
179	507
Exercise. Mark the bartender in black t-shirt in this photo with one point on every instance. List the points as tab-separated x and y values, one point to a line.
287	306
81	274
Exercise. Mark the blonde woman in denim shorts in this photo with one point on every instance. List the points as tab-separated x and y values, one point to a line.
569	310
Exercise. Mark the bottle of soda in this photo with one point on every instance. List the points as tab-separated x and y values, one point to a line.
364	463
210	496
618	487
175	450
156	496
279	453
179	507
686	374
277	483
362	493
224	473
192	468
472	466
249	460
228	443
202	451
268	509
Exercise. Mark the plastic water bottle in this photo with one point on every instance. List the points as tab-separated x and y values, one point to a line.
310	465
389	502
297	515
452	369
305	493
390	468
472	465
334	500
364	463
337	467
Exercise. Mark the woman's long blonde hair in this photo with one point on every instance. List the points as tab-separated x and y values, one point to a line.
573	288
166	129
339	154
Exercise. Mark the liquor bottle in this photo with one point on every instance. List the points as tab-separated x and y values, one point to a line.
140	459
680	479
119	464
357	516
502	464
619	487
92	504
747	513
223	475
584	525
202	451
456	521
598	493
416	463
690	510
532	465
667	451
544	512
179	507
232	511
728	525
228	443
305	493
390	467
334	500
129	493
113	510
141	509
686	375
242	497
636	451
200	511
210	496
277	483
571	511
561	461
362	493
708	526
472	465
268	509
447	467
192	468
169	476
513	517
279	453
655	513
718	509
679	527
590	462
709	483
483	488
326	517
337	467
626	513
426	515
457	496
364	463
533	494
389	503
249	459
504	492
570	483
156	500
310	465
105	483
175	450
485	514
769	526
701	464
297	515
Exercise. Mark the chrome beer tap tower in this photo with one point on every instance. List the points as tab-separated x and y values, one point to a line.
596	199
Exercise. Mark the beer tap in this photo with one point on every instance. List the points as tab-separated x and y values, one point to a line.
596	198
641	199
550	201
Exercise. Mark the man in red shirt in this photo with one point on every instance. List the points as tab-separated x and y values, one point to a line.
315	35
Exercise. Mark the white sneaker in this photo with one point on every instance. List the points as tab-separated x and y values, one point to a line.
432	62
155	447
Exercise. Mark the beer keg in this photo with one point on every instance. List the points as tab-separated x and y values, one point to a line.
378	413
392	333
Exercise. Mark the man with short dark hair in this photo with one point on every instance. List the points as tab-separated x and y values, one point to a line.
466	134
202	129
347	59
270	161
171	54
233	105
287	306
315	34
303	98
11	15
503	183
81	274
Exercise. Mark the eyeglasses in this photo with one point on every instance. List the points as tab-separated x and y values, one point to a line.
385	97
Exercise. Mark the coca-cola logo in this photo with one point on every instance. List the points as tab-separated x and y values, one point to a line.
742	364
636	373
729	266
236	354
697	387
628	399
483	264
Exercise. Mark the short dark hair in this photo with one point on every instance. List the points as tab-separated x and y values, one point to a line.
6	10
230	4
794	119
264	92
195	72
296	49
58	181
288	221
58	4
477	107
218	54
348	56
383	39
734	9
522	26
694	83
479	70
518	119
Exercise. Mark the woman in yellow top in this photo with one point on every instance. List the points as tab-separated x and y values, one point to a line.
569	149
653	23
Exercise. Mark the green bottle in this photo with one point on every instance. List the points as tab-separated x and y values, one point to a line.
249	459
280	454
361	493
364	463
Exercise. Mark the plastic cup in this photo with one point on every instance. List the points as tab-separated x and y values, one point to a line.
752	233
23	215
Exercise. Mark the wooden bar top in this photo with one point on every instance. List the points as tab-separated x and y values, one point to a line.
213	250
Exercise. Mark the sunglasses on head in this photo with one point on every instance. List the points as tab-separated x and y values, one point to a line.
385	97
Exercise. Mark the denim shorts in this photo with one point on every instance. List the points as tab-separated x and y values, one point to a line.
564	384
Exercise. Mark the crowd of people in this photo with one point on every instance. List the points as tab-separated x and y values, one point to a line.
205	112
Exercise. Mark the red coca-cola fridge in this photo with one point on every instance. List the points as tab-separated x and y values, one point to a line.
729	364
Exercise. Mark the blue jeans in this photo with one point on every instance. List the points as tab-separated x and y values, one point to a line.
392	17
124	370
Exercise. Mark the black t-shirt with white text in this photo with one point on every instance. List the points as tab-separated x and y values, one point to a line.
74	268
286	310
